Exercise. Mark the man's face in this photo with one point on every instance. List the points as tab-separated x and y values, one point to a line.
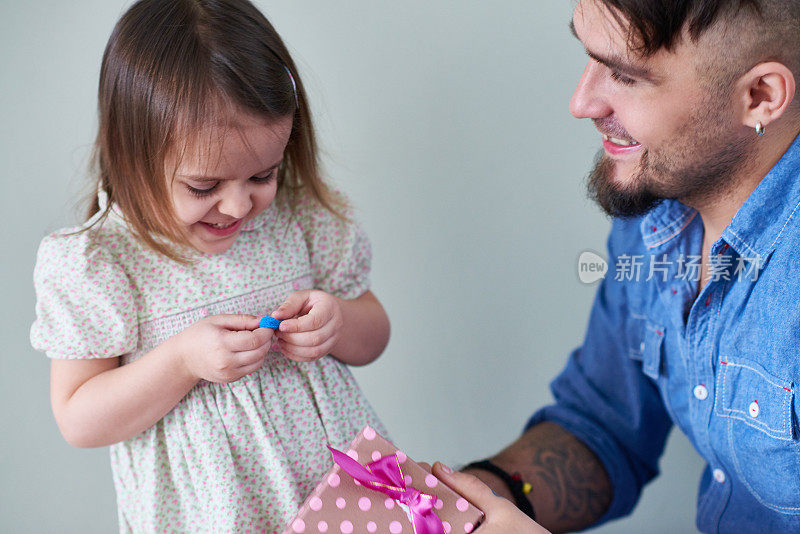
666	132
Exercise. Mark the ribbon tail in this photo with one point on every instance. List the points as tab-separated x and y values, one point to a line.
428	523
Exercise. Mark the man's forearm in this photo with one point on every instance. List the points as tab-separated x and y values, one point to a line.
571	489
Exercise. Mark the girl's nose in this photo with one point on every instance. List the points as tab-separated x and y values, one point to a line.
236	202
588	100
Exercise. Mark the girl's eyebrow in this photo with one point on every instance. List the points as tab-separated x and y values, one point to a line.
203	178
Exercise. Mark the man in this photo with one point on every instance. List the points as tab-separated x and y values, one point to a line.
700	169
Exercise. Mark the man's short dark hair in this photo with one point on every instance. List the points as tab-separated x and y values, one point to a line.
657	24
744	32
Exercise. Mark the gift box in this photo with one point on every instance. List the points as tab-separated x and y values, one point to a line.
375	488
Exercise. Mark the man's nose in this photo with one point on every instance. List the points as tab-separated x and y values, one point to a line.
236	202
588	101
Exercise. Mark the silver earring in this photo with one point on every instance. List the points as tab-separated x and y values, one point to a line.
759	128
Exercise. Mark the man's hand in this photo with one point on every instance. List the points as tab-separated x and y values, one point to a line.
502	517
571	489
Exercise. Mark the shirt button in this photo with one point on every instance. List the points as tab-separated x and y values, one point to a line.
719	476
753	409
700	392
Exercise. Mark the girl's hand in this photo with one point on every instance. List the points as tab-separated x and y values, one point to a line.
223	348
312	324
502	516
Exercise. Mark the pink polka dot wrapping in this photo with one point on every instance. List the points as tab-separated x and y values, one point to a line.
315	504
462	504
350	507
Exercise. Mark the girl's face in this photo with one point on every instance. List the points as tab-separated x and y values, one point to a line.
228	178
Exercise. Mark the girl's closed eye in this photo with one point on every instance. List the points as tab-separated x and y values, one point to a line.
264	179
206	191
201	192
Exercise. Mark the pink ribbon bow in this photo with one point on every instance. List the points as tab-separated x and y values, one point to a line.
386	477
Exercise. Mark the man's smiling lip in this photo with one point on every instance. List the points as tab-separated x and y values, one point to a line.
619	147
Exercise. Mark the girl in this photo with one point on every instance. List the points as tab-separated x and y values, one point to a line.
210	212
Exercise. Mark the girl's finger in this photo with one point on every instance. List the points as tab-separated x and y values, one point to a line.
235	322
316	317
246	340
305	354
293	305
250	357
309	339
250	368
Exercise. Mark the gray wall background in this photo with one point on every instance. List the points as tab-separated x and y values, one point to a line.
446	122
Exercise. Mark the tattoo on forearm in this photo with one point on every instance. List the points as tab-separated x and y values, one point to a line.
572	485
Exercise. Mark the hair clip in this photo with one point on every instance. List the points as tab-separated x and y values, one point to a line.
294	86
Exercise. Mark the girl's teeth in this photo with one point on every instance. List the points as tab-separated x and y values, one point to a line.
220	226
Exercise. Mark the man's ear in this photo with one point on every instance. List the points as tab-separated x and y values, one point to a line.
765	92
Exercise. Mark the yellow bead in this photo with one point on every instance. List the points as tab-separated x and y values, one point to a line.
526	488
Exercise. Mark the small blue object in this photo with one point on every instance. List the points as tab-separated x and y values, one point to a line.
269	322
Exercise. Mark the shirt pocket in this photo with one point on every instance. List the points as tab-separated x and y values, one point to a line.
649	349
762	437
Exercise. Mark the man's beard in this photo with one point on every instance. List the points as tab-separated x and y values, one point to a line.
701	165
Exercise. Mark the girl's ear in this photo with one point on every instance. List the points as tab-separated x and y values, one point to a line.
765	92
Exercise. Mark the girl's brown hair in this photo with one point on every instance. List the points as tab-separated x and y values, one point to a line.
171	69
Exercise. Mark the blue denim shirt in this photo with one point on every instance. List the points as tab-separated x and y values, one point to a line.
724	365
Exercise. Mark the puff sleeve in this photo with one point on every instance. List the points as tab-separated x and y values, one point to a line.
339	250
84	300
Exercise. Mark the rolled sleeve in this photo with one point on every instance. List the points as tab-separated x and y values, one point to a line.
603	398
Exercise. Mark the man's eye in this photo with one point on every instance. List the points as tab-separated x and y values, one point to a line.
621	78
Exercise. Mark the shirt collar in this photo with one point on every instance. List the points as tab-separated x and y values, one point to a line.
760	222
665	221
758	226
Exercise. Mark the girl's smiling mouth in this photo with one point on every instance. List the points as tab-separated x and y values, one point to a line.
222	229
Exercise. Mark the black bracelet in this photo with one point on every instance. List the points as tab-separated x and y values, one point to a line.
519	489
